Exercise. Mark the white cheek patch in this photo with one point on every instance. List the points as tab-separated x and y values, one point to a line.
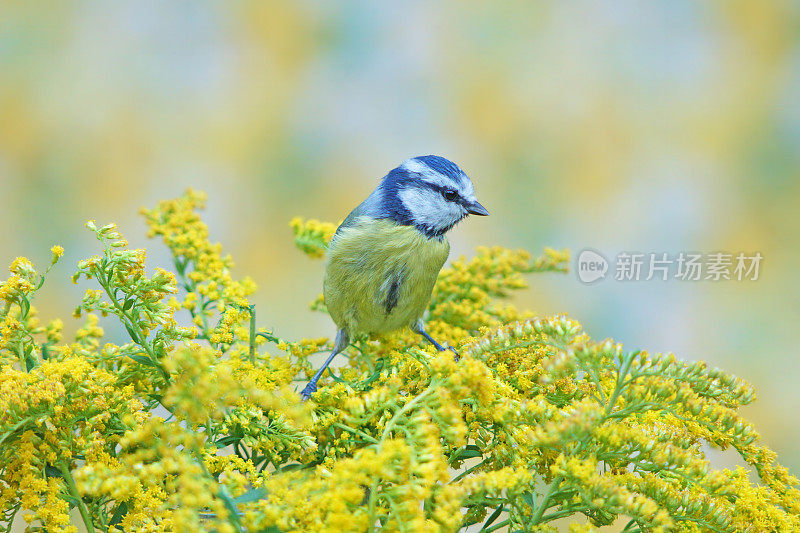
429	209
427	206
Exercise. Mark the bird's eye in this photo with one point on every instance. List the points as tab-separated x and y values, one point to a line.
450	195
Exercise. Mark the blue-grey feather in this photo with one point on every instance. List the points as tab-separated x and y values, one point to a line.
443	166
385	202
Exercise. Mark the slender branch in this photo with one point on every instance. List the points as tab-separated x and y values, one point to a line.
12	516
387	430
223	495
132	324
596	378
358	432
233	511
537	516
407	407
373	489
11	431
561	514
252	308
623	371
467	472
73	490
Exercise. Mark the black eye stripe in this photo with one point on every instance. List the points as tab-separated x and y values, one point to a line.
449	193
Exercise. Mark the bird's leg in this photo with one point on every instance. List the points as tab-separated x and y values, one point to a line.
342	340
419	327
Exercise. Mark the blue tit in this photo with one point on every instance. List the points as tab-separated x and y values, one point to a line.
383	260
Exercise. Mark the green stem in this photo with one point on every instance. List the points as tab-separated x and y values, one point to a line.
132	325
387	430
19	348
537	516
223	495
596	378
252	309
73	490
561	514
16	427
406	408
371	505
623	371
233	511
468	471
358	432
11	518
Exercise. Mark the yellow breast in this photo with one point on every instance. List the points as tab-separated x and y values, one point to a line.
379	275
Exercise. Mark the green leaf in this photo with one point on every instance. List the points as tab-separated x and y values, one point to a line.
71	500
52	471
227	441
497	512
128	303
131	332
374	377
268	336
142	359
291	467
467	452
527	497
30	361
119	513
251	496
337	379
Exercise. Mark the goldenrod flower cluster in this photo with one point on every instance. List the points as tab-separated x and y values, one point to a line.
190	420
202	270
312	236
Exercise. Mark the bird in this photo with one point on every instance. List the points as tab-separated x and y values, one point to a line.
384	258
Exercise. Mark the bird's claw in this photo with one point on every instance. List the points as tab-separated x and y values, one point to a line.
306	393
448	347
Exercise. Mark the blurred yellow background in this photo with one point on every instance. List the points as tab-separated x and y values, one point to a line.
620	126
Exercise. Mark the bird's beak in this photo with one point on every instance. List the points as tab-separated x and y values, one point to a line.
474	208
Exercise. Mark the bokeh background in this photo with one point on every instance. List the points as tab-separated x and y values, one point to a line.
661	126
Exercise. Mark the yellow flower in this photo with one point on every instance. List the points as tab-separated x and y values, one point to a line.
535	421
57	252
312	236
